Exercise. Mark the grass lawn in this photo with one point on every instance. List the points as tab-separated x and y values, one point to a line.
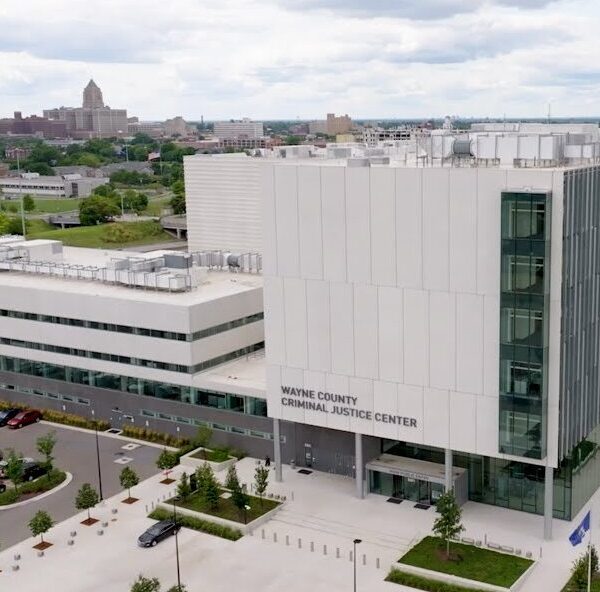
54	206
107	236
482	565
226	508
215	456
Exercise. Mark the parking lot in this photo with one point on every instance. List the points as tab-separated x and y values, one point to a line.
75	452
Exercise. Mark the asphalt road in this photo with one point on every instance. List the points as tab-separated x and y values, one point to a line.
75	452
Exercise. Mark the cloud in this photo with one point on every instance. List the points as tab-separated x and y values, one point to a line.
407	9
287	58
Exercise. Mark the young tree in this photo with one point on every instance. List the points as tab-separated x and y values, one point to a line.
87	497
128	478
40	524
14	469
45	445
28	203
183	488
232	480
143	584
177	588
212	494
261	481
203	475
240	500
447	525
203	438
166	460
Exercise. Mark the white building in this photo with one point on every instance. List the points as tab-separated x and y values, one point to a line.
163	339
244	128
427	306
36	185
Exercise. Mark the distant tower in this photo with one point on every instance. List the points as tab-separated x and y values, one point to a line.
92	96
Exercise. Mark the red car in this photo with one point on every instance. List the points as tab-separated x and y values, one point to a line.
24	418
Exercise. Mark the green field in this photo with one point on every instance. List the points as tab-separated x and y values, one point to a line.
55	206
106	236
474	563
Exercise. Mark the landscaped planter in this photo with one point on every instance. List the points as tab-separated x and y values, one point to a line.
500	579
245	528
194	459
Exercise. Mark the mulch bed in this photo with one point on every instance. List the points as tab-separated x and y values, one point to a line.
89	521
167	481
42	546
130	500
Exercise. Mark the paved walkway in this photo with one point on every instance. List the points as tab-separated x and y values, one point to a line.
321	510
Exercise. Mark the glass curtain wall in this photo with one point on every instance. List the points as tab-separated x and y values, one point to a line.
525	291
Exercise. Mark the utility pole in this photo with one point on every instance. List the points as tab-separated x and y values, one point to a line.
21	196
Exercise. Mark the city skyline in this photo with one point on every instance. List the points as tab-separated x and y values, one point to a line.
390	59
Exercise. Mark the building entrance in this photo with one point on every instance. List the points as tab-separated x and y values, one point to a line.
416	481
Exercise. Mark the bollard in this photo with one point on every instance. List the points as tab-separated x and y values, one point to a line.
364	559
40	553
312	547
105	524
287	540
324	549
115	511
100	532
540	552
485	538
15	567
292	496
350	556
262	533
377	563
17	556
299	543
274	537
337	552
73	533
146	508
71	542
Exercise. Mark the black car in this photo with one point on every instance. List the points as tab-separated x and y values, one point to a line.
7	415
157	532
33	470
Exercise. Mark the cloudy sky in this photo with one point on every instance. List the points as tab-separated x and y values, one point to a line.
302	58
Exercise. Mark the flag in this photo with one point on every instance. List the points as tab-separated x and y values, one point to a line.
578	534
154	155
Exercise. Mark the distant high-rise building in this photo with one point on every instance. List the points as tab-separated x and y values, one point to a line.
94	119
92	96
239	129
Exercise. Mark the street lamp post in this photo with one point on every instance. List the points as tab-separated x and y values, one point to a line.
355	542
21	196
98	455
176	545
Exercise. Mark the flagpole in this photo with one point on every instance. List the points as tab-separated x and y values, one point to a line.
589	582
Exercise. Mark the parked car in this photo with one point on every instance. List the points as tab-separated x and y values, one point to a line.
33	470
24	418
157	532
7	415
3	464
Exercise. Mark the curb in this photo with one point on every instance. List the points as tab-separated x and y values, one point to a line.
107	435
41	495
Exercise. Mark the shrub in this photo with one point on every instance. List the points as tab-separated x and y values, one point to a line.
61	417
420	583
220	530
153	436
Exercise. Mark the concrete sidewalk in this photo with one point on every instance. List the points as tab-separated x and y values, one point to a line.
321	509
